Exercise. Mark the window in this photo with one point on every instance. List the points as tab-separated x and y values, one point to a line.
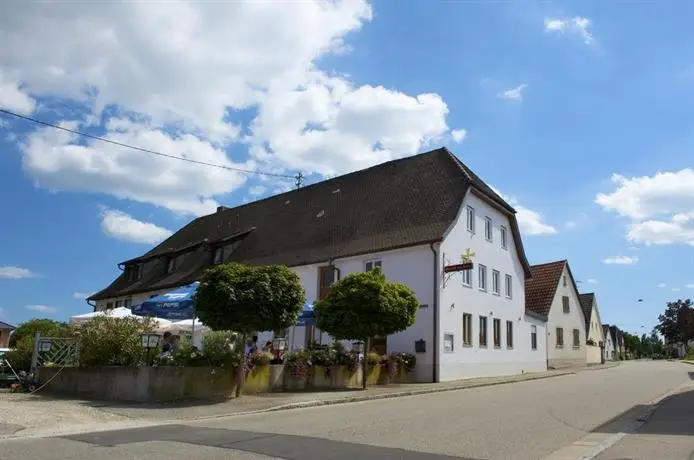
533	337
467	278
509	334
560	337
471	219
448	340
119	303
497	333
577	338
467	329
109	305
134	272
504	236
371	264
127	302
509	286
218	256
171	265
564	278
483	331
482	275
488	229
496	282
565	303
326	276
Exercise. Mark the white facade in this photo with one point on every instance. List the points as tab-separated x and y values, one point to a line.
459	298
128	301
562	349
609	350
594	354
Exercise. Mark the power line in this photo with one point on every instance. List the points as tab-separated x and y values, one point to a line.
298	178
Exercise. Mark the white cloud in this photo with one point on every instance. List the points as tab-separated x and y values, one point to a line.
513	94
530	222
660	207
13	98
675	289
41	308
578	25
458	135
690	286
662	285
592	281
81	295
257	190
15	273
122	226
570	224
621	260
183	71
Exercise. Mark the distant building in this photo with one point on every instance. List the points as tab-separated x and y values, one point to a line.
5	331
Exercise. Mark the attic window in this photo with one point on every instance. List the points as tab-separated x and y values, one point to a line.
218	256
134	272
564	277
171	265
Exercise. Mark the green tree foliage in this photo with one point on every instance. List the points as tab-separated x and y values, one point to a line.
46	327
364	305
105	341
676	323
245	299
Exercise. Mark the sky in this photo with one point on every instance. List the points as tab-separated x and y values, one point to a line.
579	113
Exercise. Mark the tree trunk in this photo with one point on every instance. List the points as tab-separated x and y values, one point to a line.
365	364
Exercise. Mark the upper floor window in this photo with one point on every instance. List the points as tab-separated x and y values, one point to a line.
470	219
496	282
488	235
565	303
482	277
564	278
218	256
134	272
504	237
119	303
127	303
467	277
371	264
509	286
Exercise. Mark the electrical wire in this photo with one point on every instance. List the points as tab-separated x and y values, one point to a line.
153	152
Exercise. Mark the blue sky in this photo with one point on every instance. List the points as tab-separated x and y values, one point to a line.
547	102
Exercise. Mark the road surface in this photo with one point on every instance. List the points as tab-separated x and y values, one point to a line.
558	418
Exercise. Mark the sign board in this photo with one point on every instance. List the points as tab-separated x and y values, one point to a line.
457	267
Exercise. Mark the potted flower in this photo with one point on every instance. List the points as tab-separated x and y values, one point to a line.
297	369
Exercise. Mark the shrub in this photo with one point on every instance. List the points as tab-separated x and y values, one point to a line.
259	358
690	354
45	327
185	354
20	357
374	359
590	342
406	361
298	362
223	349
105	341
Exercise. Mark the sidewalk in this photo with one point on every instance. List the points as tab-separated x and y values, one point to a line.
29	415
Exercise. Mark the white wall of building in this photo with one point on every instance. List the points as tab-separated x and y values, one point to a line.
567	355
456	299
134	299
595	334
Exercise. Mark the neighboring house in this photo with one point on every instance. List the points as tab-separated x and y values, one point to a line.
609	350
410	217
594	336
5	331
552	292
618	340
621	344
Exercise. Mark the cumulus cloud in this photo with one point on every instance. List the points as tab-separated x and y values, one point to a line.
13	98
592	281
662	285
513	94
530	222
660	207
174	80
577	25
621	260
122	226
15	273
458	135
41	308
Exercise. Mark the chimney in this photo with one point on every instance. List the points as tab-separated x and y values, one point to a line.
221	208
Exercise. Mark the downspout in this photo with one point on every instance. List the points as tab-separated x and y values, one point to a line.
90	304
435	345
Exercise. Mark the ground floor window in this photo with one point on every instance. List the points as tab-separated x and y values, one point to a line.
533	337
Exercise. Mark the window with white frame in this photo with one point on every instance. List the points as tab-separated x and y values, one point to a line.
509	286
466	277
488	235
467	329
448	343
483	331
496	327
496	282
504	237
470	219
482	275
371	264
509	334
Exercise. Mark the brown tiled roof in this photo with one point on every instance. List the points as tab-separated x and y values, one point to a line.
541	287
401	203
6	326
587	302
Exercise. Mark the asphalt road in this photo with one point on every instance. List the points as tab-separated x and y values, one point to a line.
528	420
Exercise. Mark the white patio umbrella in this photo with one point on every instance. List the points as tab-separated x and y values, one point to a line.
78	319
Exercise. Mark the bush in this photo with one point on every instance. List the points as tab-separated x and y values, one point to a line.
20	357
45	327
185	354
590	342
105	341
259	358
406	361
298	362
690	355
223	349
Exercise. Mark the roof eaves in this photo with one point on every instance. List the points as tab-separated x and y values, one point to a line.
536	315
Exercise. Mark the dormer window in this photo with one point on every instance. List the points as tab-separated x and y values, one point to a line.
218	256
170	265
134	272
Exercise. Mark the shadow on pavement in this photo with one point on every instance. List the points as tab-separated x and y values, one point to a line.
672	416
269	444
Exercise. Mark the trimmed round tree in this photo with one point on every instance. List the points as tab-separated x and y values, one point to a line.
245	299
364	305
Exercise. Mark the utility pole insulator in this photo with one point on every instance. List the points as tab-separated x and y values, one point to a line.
299	180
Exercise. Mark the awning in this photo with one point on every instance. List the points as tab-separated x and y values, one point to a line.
177	305
307	316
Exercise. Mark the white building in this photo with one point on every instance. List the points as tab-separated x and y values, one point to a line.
609	349
552	291
595	339
410	217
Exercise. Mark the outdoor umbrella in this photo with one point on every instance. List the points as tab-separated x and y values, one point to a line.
175	305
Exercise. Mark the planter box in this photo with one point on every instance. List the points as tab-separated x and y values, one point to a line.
139	384
258	380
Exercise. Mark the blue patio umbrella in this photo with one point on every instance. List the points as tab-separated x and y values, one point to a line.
178	304
307	316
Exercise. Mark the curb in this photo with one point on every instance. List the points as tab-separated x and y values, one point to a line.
373	397
602	367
